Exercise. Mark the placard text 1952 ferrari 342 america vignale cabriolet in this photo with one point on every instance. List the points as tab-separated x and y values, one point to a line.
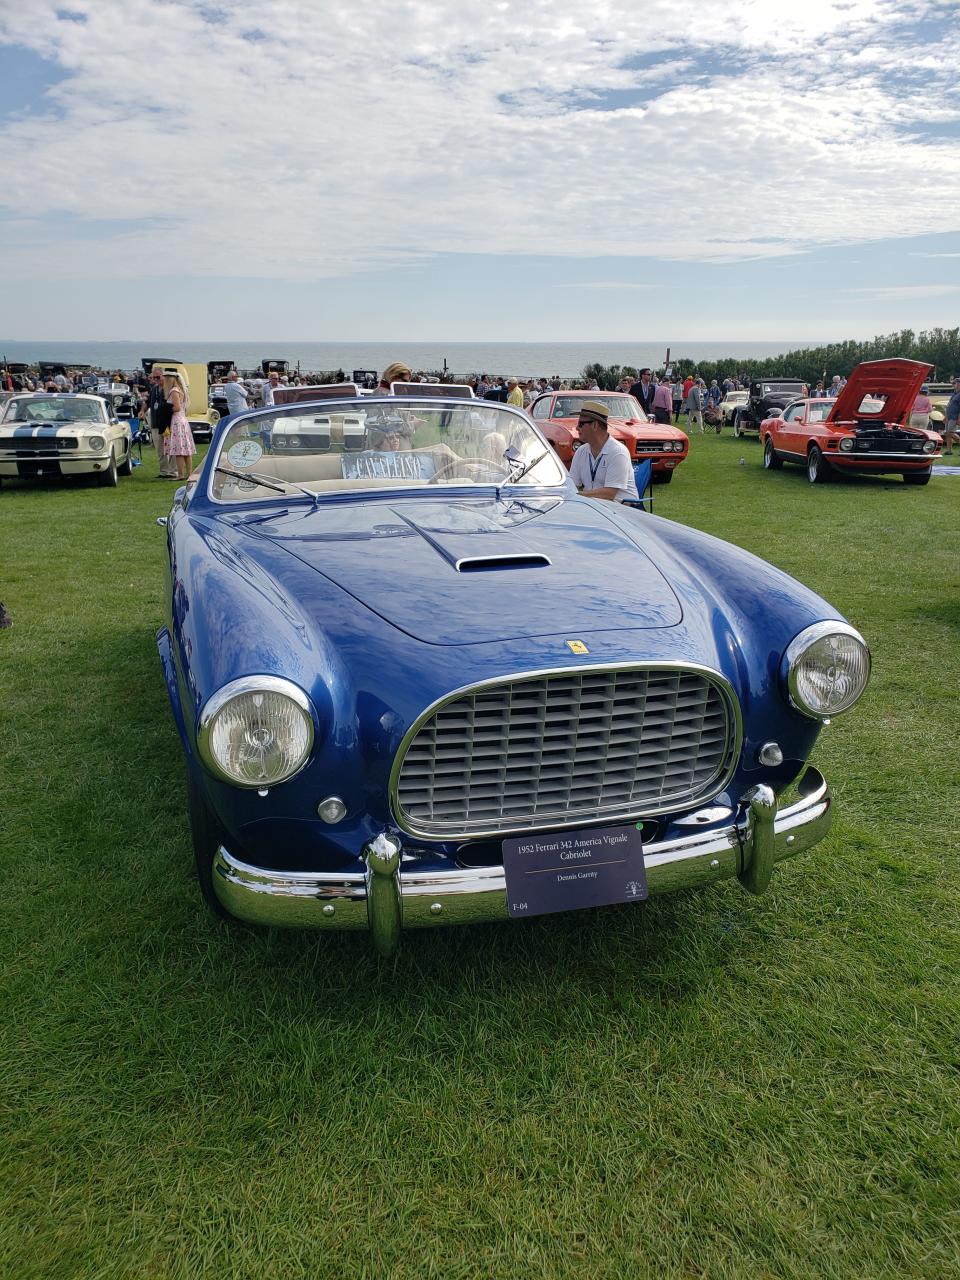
419	680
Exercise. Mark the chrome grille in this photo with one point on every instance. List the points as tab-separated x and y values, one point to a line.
37	447
566	747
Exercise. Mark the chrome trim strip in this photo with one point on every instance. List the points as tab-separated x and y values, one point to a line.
250	684
475	895
852	457
734	722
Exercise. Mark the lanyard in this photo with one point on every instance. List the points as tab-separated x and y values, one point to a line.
595	466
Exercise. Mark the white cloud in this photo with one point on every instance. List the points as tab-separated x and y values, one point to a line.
347	139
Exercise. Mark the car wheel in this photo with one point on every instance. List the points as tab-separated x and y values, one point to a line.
208	835
737	428
126	466
818	469
771	460
108	478
917	477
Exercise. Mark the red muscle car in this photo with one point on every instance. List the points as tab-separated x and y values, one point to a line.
865	430
556	413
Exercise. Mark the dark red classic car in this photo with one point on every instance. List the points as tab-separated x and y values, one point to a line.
866	430
556	413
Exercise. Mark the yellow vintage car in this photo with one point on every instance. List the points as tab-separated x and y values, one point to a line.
200	413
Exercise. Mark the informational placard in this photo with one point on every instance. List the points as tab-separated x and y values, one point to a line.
564	871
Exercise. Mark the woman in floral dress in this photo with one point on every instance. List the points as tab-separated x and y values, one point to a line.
179	443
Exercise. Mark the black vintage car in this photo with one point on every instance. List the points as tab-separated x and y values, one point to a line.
766	395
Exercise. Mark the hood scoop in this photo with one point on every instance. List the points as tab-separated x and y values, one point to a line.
457	544
481	564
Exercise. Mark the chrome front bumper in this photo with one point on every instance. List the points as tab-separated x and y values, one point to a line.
388	896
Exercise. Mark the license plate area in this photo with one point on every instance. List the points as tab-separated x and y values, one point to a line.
569	870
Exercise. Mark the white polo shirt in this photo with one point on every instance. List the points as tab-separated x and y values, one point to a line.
610	469
236	394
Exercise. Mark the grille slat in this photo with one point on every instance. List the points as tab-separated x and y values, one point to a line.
506	757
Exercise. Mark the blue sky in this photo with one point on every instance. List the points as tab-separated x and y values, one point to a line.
519	172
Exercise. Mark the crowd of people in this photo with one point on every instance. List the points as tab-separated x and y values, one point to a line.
664	397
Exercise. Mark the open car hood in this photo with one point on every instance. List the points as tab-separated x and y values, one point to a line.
474	570
880	391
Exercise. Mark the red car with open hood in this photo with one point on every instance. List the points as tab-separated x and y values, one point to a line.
865	430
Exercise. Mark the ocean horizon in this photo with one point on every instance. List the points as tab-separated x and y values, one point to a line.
523	359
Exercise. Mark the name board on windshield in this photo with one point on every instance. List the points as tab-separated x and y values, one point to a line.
388	465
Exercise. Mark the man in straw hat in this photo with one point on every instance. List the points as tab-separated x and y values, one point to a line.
159	415
601	467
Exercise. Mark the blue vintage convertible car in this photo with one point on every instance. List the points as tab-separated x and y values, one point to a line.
420	681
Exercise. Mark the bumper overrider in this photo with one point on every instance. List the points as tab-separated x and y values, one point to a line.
388	896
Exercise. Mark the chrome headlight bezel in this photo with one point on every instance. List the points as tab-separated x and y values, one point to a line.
97	443
217	703
797	650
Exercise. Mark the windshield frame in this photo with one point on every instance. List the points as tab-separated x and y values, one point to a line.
216	455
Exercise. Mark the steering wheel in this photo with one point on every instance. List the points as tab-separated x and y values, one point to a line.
455	464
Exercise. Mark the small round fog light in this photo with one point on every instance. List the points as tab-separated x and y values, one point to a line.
332	810
770	754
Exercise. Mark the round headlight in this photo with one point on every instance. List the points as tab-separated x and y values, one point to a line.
929	446
846	444
97	442
294	442
256	732
828	666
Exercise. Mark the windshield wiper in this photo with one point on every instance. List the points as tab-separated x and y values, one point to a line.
514	460
269	482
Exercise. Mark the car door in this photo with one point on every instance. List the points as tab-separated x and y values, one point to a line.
789	433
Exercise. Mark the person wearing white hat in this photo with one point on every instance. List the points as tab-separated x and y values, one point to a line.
514	394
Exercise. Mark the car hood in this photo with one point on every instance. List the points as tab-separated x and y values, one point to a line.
895	383
477	570
45	430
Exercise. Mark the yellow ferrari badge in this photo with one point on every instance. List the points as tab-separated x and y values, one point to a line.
577	646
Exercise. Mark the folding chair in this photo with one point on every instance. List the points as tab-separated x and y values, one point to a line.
643	474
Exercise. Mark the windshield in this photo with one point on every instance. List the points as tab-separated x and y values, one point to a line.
817	410
379	444
617	407
53	409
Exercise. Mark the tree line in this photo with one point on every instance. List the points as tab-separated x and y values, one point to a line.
939	347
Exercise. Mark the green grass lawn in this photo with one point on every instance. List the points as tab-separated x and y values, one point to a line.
708	1085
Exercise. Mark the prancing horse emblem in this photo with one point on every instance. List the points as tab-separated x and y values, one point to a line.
577	646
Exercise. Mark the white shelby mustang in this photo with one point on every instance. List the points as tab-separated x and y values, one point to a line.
64	435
